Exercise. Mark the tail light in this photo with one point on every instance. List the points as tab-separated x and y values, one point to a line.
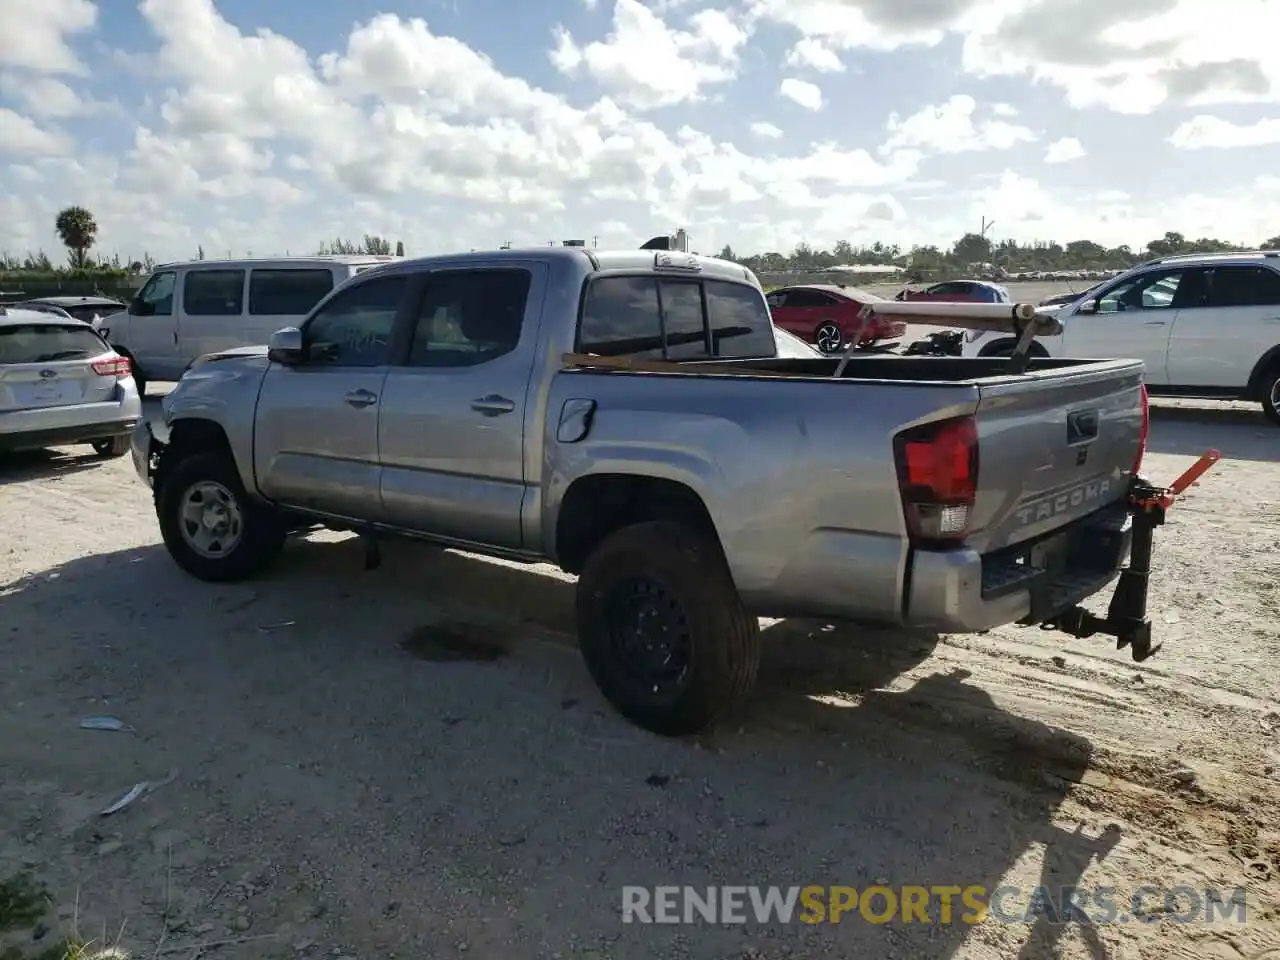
937	467
1146	427
112	365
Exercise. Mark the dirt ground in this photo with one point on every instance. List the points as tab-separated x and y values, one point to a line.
412	762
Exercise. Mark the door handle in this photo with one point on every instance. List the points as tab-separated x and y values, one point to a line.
361	398
1153	323
492	405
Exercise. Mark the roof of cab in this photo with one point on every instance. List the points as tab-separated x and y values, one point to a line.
629	260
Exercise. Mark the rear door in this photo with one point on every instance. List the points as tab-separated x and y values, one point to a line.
1134	319
1217	340
50	365
211	311
451	422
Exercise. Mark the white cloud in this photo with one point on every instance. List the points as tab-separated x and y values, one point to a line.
20	136
647	64
1213	133
240	139
950	128
33	33
815	56
801	92
1131	58
1064	151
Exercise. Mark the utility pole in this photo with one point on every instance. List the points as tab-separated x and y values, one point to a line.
595	242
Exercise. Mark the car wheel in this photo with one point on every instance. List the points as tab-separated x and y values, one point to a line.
211	527
662	629
828	338
1271	394
111	447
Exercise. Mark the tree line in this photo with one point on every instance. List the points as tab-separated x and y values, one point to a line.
78	230
974	249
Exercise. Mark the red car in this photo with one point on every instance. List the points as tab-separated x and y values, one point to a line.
826	315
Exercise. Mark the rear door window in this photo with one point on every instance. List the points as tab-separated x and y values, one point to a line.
213	293
287	292
48	343
1243	287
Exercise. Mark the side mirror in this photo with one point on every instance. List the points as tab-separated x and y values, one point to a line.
141	308
1087	306
286	346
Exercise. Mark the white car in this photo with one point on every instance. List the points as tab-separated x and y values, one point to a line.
1205	325
62	384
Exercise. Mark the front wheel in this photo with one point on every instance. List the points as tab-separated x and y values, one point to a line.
1271	394
211	527
662	629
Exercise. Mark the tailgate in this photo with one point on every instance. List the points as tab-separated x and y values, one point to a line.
1053	446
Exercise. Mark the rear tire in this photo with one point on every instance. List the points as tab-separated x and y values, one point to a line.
111	447
211	527
1271	394
661	593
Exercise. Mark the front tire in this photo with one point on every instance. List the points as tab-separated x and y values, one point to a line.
662	629
111	447
1271	394
211	527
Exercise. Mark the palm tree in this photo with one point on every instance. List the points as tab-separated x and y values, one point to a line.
78	230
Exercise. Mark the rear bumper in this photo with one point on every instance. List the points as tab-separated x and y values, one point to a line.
74	423
962	591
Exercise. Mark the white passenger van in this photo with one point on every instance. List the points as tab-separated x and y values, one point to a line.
189	309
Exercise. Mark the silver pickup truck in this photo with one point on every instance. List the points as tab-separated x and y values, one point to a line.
627	417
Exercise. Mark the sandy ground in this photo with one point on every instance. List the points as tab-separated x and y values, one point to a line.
346	773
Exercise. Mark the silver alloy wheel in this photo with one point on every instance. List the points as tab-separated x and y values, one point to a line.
211	520
828	338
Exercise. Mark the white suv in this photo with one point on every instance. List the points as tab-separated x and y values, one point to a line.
1205	325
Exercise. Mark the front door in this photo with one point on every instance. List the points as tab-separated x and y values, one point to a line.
316	438
1133	321
452	418
151	332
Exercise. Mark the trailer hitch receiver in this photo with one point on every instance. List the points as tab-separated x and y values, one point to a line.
1126	618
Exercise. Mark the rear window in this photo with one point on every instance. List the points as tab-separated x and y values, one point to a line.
275	293
674	319
48	342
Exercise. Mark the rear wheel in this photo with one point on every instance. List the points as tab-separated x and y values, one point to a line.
662	629
828	338
1271	394
211	527
111	447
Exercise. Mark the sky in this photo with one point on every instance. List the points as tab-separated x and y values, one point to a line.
248	128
